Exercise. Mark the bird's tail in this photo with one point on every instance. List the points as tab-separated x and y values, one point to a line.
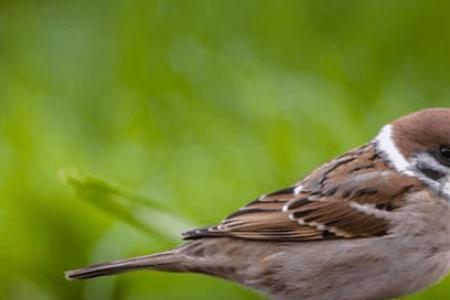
164	261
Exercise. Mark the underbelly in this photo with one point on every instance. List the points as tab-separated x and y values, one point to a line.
352	274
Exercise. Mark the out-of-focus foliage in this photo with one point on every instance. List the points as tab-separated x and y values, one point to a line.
195	106
145	214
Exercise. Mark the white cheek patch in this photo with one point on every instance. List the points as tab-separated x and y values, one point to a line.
425	161
421	162
385	144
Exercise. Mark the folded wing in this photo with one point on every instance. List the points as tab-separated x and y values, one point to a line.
349	197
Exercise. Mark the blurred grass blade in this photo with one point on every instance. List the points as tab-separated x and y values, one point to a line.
143	213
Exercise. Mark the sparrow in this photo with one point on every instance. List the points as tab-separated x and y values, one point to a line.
371	224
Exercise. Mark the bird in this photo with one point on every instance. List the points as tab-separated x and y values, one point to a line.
370	224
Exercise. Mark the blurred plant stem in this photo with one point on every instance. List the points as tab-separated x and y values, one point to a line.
143	213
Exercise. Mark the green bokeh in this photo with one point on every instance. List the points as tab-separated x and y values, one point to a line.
201	105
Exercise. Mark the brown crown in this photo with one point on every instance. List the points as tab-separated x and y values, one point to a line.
421	131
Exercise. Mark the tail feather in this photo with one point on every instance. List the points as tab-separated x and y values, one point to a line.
165	261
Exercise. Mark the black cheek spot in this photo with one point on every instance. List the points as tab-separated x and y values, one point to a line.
432	174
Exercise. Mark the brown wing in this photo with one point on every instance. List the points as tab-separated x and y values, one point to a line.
348	197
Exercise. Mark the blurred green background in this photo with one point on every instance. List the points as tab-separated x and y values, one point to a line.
194	106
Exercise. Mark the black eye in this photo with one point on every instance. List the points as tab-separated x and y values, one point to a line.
444	153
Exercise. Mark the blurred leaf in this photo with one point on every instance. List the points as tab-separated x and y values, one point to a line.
144	213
